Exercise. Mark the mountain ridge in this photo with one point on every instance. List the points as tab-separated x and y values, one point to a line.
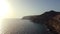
50	19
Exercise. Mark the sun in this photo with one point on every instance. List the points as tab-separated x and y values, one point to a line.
3	12
3	8
6	11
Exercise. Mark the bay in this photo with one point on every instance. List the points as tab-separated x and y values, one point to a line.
19	26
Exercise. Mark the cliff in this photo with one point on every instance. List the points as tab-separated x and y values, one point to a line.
50	19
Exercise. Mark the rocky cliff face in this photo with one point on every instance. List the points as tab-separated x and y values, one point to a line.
54	24
50	19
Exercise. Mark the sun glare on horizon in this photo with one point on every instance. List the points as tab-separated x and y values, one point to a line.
4	9
5	12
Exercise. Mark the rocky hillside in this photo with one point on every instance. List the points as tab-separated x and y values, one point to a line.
50	19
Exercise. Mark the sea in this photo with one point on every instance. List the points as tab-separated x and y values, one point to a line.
22	26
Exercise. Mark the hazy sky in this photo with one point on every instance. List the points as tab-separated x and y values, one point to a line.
31	7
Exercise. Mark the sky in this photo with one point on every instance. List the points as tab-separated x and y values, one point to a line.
32	7
21	8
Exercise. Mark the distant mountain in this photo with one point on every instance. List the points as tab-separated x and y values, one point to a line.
50	19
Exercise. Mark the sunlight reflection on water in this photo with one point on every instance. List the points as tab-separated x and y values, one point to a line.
17	26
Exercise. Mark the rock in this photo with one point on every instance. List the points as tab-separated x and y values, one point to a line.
50	19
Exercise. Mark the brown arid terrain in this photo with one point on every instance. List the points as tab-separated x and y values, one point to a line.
54	23
50	19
